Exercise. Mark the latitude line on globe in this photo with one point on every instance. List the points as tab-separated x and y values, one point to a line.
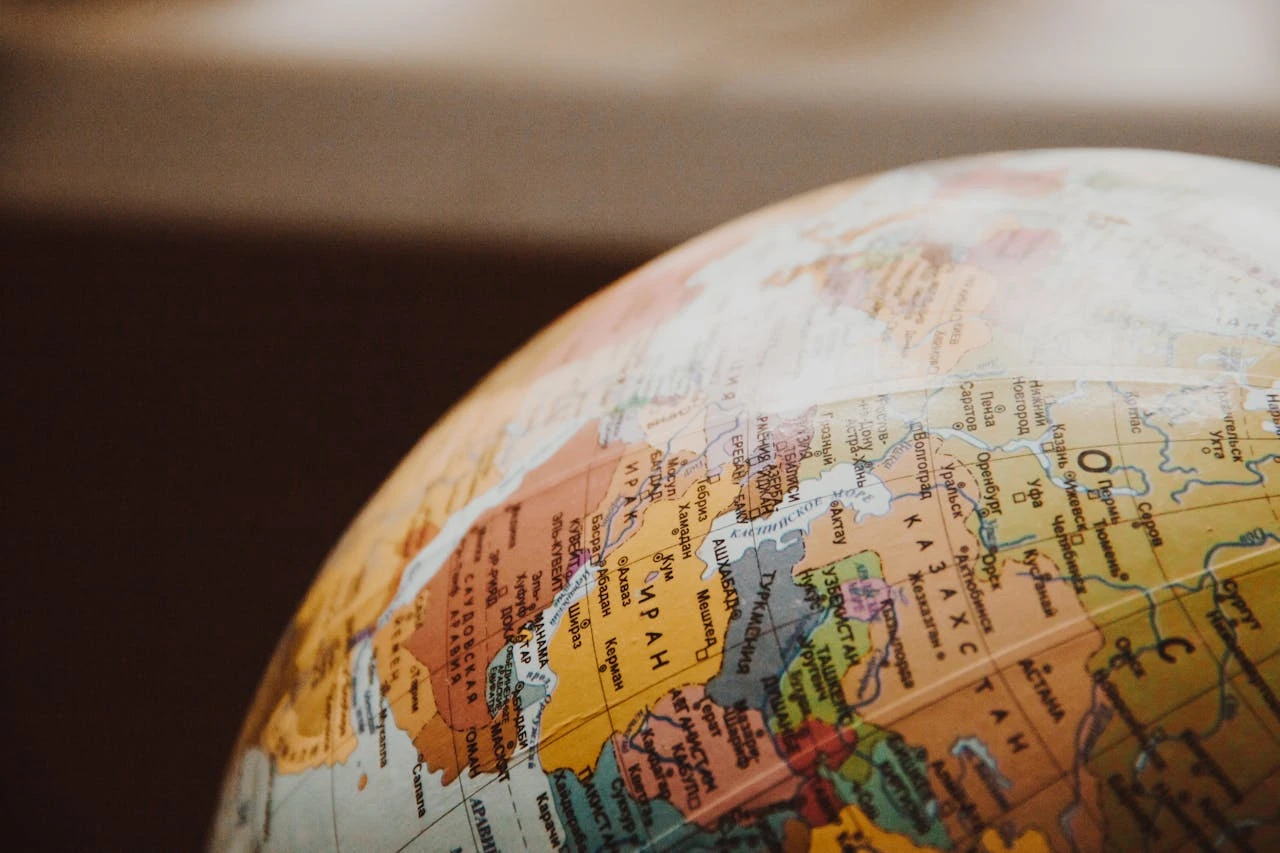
595	657
895	721
1173	586
1124	739
969	606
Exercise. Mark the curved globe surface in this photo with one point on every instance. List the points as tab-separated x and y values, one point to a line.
935	510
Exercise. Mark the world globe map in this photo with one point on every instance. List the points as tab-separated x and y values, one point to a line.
938	510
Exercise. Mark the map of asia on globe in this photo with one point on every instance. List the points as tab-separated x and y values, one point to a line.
938	510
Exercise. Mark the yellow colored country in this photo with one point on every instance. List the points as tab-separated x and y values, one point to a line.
856	831
623	651
1030	841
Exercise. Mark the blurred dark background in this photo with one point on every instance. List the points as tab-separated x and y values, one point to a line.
195	415
251	250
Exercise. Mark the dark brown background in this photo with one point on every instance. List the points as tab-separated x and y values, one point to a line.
195	414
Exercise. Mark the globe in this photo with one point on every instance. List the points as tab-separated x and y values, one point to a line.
938	510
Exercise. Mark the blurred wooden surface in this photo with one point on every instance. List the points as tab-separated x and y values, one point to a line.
586	122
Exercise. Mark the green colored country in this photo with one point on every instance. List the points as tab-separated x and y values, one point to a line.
847	593
598	812
888	779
